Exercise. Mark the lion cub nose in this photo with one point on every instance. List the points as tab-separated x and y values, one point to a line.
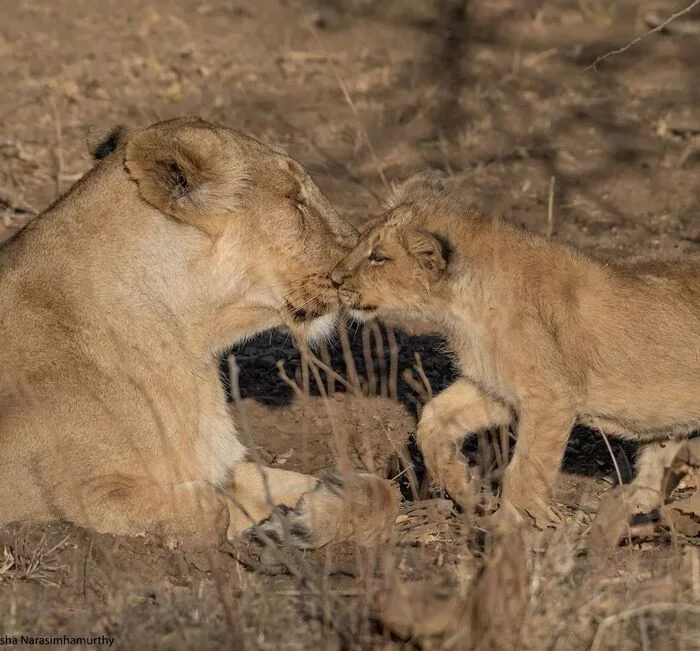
338	276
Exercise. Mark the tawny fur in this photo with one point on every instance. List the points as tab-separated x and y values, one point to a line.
115	305
545	336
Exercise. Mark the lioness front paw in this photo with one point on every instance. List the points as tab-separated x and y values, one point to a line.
362	509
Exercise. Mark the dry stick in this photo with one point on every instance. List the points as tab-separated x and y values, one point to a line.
326	357
550	208
634	42
350	103
305	379
423	376
287	380
85	568
417	386
245	429
612	456
317	375
331	373
58	152
393	363
619	474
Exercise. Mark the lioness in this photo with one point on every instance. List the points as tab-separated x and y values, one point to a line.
545	336
115	305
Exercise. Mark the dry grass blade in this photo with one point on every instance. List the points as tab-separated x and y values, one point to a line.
40	564
369	361
636	612
499	600
350	367
424	378
393	363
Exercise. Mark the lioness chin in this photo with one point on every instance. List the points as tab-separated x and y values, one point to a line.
115	305
546	337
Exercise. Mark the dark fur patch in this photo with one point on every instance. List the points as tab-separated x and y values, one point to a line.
446	248
180	183
108	145
302	314
333	482
300	531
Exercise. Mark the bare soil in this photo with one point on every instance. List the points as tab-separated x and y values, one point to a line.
365	92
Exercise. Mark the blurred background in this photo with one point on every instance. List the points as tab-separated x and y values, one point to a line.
364	92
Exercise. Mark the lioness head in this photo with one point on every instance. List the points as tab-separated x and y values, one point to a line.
402	261
270	236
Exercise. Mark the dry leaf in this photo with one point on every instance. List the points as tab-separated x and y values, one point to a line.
684	515
420	609
610	523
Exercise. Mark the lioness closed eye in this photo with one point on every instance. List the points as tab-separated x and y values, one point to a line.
114	306
545	336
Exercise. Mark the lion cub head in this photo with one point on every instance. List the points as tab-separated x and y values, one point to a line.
403	260
267	235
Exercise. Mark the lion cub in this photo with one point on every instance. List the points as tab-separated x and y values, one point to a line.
546	337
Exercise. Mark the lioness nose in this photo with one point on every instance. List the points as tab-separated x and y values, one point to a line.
338	276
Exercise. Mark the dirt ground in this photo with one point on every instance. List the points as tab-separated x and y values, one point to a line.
364	93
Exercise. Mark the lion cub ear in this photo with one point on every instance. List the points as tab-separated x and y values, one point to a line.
186	173
101	141
429	181
432	250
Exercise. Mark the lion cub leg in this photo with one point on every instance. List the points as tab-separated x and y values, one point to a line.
654	459
544	425
459	410
360	507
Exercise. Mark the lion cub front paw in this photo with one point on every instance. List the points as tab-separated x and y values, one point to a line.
449	471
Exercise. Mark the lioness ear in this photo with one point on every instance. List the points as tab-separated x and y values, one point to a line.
102	141
187	174
432	250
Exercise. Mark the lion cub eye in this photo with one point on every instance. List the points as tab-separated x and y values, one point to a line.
377	257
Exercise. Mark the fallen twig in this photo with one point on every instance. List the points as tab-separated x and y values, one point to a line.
634	42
